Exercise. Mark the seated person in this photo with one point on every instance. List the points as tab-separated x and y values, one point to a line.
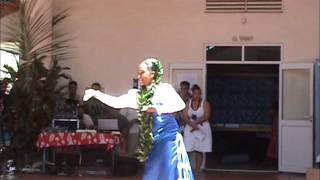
96	86
131	143
98	110
85	119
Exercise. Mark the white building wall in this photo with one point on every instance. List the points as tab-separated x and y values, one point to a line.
112	36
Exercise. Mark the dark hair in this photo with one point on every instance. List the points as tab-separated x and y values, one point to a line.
186	83
195	87
150	66
154	65
73	83
95	84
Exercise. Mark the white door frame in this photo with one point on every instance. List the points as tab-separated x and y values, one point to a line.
201	67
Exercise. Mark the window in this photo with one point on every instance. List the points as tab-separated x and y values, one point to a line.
262	53
8	6
242	6
7	59
243	53
223	53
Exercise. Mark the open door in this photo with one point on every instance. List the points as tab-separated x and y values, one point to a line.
296	117
317	111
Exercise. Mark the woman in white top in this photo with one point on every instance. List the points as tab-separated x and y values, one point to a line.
164	152
197	132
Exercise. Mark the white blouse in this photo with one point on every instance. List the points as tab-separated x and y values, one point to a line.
165	99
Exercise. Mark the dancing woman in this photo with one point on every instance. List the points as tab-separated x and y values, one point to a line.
161	144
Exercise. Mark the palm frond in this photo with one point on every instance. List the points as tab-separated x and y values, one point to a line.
33	34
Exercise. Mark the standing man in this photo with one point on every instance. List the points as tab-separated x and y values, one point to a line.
73	97
70	106
184	91
185	95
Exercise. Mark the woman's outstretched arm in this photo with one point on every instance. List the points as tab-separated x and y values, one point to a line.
128	100
167	100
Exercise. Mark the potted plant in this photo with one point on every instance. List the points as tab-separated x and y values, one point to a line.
33	34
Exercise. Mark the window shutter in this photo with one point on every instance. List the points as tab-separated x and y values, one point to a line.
225	5
264	5
242	6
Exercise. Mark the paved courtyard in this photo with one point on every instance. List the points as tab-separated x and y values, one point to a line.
212	175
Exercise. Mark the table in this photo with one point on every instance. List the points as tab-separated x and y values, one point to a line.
239	140
257	128
66	139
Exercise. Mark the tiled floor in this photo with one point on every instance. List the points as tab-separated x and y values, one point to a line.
212	175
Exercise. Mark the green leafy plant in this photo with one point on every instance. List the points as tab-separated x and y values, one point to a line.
33	34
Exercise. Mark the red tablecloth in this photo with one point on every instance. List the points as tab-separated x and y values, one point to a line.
63	139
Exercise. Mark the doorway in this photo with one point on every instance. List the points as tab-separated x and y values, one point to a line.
244	99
